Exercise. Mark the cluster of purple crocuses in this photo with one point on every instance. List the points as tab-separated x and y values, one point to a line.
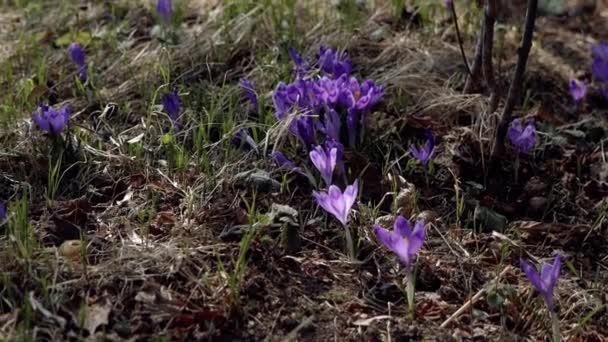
324	107
599	68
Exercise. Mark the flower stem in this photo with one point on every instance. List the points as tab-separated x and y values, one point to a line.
409	290
557	337
350	245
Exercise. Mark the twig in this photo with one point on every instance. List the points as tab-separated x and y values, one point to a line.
516	84
294	333
486	53
473	299
455	20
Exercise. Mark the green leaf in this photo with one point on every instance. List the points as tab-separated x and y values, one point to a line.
82	38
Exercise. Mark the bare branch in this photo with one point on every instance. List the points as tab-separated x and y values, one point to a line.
455	20
488	45
518	77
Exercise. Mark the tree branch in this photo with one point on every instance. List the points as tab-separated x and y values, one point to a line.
488	45
455	20
518	77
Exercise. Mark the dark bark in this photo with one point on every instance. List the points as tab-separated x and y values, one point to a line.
487	51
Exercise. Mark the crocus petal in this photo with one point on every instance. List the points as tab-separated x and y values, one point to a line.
532	275
2	211
42	123
249	91
551	275
77	54
350	194
384	236
163	8
402	227
417	238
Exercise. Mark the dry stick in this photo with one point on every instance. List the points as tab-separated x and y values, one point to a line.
473	299
518	77
464	56
488	45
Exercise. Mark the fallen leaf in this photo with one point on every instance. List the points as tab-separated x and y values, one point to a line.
97	315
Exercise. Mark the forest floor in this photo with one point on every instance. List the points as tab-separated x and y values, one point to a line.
140	231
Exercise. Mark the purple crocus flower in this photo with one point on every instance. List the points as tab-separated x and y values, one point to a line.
164	9
285	163
281	101
522	138
402	240
324	159
2	211
578	90
331	144
424	153
52	121
544	281
338	203
331	124
242	138
448	3
370	95
334	63
172	104
599	53
327	91
249	91
78	57
303	128
301	68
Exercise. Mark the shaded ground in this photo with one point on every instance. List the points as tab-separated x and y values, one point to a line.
144	236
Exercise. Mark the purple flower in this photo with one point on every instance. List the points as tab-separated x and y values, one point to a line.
285	163
250	93
330	144
448	3
327	91
402	240
424	153
172	104
338	203
303	128
370	95
334	63
599	53
324	159
523	139
281	101
546	280
301	68
243	138
2	211
300	94
578	90
361	96
52	121
164	9
78	57
331	124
